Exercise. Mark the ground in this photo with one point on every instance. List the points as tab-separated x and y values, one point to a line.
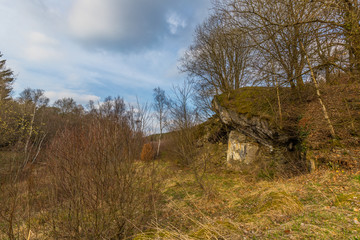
320	205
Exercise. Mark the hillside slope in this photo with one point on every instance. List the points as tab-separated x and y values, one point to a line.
298	118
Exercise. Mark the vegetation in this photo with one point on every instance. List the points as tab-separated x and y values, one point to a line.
321	205
74	172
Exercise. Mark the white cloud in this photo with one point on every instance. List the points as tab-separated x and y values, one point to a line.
92	19
78	97
41	47
40	53
40	38
175	22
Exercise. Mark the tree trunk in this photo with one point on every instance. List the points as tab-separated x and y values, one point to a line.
279	103
292	84
326	115
158	148
29	136
352	33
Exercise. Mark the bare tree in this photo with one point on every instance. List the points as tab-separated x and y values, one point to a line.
276	35
341	18
66	105
106	108
160	106
328	29
183	118
326	114
119	107
16	188
35	99
217	60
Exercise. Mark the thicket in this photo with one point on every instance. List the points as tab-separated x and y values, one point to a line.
86	181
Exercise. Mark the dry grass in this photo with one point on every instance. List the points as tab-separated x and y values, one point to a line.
321	205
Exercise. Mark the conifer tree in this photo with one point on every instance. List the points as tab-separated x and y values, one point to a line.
6	80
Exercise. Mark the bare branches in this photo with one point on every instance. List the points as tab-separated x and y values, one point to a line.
217	60
161	104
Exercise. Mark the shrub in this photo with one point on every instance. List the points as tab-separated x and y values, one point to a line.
147	153
99	190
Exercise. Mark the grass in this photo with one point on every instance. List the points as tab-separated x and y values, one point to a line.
321	205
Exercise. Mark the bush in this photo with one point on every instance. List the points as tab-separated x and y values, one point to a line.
99	190
147	153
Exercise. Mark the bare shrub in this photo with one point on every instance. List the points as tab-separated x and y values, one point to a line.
184	124
99	191
11	211
147	152
183	121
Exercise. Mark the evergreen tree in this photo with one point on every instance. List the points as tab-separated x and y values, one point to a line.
6	80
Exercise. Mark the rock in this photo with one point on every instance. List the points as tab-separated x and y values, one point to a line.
241	149
255	127
255	144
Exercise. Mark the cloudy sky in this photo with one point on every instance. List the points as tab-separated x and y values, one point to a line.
90	49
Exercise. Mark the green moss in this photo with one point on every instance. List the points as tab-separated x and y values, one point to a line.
153	235
248	100
357	178
202	234
215	230
252	101
281	201
348	200
176	193
229	183
227	225
270	203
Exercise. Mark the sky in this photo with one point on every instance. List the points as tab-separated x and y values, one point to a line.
91	49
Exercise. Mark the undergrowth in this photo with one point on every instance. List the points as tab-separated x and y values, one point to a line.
321	205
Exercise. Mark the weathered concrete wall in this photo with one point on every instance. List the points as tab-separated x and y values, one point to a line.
241	149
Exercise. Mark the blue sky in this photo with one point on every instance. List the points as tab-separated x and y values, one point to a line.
90	49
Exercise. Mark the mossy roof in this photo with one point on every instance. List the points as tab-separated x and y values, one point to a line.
253	101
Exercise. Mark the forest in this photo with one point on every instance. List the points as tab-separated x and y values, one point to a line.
285	74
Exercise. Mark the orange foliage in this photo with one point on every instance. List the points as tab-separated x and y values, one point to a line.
148	152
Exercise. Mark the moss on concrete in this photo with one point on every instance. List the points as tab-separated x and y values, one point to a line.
252	101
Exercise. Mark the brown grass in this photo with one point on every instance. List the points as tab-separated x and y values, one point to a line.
322	205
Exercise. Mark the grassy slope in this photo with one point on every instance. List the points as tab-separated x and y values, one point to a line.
321	205
301	110
302	115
